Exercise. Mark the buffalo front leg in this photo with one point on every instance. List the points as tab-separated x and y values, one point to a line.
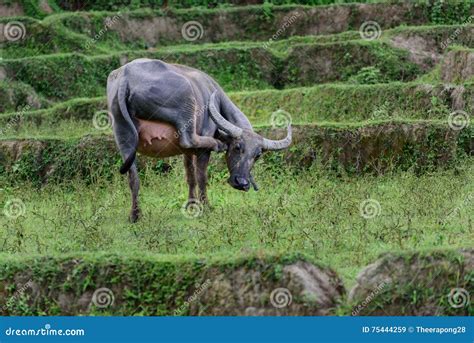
134	183
202	161
190	168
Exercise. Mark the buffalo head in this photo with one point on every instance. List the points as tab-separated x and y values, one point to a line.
244	147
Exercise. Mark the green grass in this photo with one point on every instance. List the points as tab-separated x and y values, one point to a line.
67	129
310	211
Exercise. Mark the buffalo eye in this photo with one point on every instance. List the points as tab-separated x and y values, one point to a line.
238	147
257	156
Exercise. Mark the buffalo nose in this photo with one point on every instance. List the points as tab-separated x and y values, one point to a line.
241	183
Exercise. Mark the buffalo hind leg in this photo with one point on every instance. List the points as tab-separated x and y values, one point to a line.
190	168
202	161
134	183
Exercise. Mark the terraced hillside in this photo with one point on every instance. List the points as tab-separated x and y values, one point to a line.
380	95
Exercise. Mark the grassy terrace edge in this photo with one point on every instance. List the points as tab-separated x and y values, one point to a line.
51	37
167	281
375	148
259	67
328	103
64	76
262	21
33	8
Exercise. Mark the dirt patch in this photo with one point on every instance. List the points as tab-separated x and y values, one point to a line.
150	30
390	15
3	74
458	66
422	51
11	10
458	98
324	20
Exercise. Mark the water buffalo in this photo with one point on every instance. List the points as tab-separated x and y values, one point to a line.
161	109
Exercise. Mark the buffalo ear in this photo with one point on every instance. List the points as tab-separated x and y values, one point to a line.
222	147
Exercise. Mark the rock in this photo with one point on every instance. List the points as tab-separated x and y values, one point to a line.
303	289
416	284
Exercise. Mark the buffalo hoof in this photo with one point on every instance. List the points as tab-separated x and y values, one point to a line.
134	216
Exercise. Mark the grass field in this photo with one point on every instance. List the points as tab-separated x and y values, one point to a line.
309	211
